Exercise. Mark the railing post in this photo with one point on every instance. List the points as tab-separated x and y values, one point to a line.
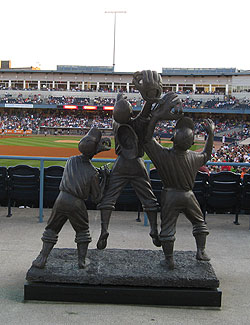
145	214
41	190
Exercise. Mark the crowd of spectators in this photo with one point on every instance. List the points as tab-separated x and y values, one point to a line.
31	99
229	129
33	120
232	154
108	101
24	120
20	121
62	100
76	121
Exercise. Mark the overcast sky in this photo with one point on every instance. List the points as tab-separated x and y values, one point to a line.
151	35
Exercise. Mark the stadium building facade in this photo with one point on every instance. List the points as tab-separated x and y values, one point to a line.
93	90
222	81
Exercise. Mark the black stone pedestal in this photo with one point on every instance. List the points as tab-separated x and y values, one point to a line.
120	276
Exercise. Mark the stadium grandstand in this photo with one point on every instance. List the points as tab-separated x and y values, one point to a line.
73	98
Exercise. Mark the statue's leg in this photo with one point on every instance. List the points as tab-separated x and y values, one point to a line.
105	218
143	190
80	222
107	205
201	244
55	223
152	217
200	230
49	240
170	208
82	249
168	250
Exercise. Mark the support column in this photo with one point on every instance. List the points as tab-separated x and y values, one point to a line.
9	85
226	89
24	84
98	86
113	86
177	87
68	85
39	85
127	87
83	85
53	84
194	88
210	88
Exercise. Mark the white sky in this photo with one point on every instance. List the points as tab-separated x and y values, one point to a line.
151	35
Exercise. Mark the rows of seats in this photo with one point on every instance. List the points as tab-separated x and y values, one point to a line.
223	192
20	185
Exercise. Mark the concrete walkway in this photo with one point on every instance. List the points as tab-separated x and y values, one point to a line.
228	246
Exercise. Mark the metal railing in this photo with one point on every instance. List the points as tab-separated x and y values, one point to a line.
147	163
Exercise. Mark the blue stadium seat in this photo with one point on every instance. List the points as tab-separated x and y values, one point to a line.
224	193
3	186
52	179
23	186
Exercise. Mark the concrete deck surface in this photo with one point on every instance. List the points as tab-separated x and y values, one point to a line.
228	246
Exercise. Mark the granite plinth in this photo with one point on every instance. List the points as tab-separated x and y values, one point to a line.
125	267
124	276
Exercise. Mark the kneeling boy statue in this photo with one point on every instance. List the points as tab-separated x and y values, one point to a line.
80	180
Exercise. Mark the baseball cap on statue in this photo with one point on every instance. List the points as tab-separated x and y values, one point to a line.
88	144
185	122
183	137
122	111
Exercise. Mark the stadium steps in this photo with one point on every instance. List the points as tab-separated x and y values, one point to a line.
220	134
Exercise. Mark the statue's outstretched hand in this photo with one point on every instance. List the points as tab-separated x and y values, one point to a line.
120	96
104	173
169	108
208	126
104	145
149	84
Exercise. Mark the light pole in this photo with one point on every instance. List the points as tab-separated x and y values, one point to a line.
114	12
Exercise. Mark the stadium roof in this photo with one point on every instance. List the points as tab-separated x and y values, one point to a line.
198	71
109	70
86	69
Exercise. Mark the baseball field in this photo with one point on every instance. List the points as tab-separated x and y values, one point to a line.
50	146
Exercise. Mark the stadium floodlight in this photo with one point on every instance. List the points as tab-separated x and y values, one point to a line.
114	13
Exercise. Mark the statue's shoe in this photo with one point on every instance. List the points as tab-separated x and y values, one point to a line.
102	241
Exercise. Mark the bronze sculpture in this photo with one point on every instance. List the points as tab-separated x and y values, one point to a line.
177	168
80	180
129	133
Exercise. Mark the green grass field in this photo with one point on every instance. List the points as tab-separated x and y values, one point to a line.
40	141
36	141
50	141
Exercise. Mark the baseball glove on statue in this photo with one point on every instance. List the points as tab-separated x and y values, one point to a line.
149	84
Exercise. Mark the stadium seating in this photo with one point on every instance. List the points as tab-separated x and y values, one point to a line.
220	192
3	186
52	179
200	190
23	186
128	201
224	193
156	184
245	198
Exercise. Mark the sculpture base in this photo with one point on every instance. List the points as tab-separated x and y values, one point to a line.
120	276
123	295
